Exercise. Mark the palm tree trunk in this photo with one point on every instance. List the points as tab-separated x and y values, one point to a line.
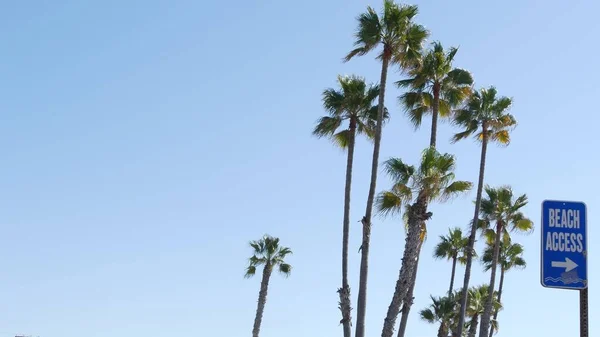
473	327
452	276
409	261
344	291
408	301
487	311
262	299
361	310
443	330
471	243
434	114
499	299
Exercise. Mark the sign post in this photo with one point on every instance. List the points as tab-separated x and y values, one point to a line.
564	251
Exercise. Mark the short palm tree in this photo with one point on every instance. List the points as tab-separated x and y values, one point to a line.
485	116
441	311
451	247
500	214
476	306
354	104
402	41
415	188
435	87
268	253
510	257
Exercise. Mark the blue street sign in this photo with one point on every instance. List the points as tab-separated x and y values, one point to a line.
564	245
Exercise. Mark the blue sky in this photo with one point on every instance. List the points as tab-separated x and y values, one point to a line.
145	142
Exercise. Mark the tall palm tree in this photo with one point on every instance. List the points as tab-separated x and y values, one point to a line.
476	307
416	188
402	41
485	116
441	310
268	253
354	104
436	87
451	247
511	256
500	215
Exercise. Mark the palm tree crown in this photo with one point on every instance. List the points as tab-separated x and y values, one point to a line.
476	306
451	246
352	103
498	210
436	87
511	255
267	252
433	180
401	39
440	310
486	111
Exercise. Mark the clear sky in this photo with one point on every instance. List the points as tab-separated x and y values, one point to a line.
144	143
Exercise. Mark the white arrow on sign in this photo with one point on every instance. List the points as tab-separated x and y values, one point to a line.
568	264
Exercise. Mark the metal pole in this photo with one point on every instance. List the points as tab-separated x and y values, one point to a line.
583	313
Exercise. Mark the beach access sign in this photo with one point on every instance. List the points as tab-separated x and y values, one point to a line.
564	245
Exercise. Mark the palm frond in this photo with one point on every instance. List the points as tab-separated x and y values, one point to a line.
326	126
410	52
333	100
342	138
460	77
456	188
398	170
523	226
501	137
250	271
285	269
427	315
389	203
368	34
416	104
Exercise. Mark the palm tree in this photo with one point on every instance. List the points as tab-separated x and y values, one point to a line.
476	307
485	116
402	41
267	253
436	87
416	188
441	311
511	256
500	215
353	103
451	247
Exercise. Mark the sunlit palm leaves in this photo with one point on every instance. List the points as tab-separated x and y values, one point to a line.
353	103
485	112
402	39
511	256
498	209
442	310
434	76
433	180
452	245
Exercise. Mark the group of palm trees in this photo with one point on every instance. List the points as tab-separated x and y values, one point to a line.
433	87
